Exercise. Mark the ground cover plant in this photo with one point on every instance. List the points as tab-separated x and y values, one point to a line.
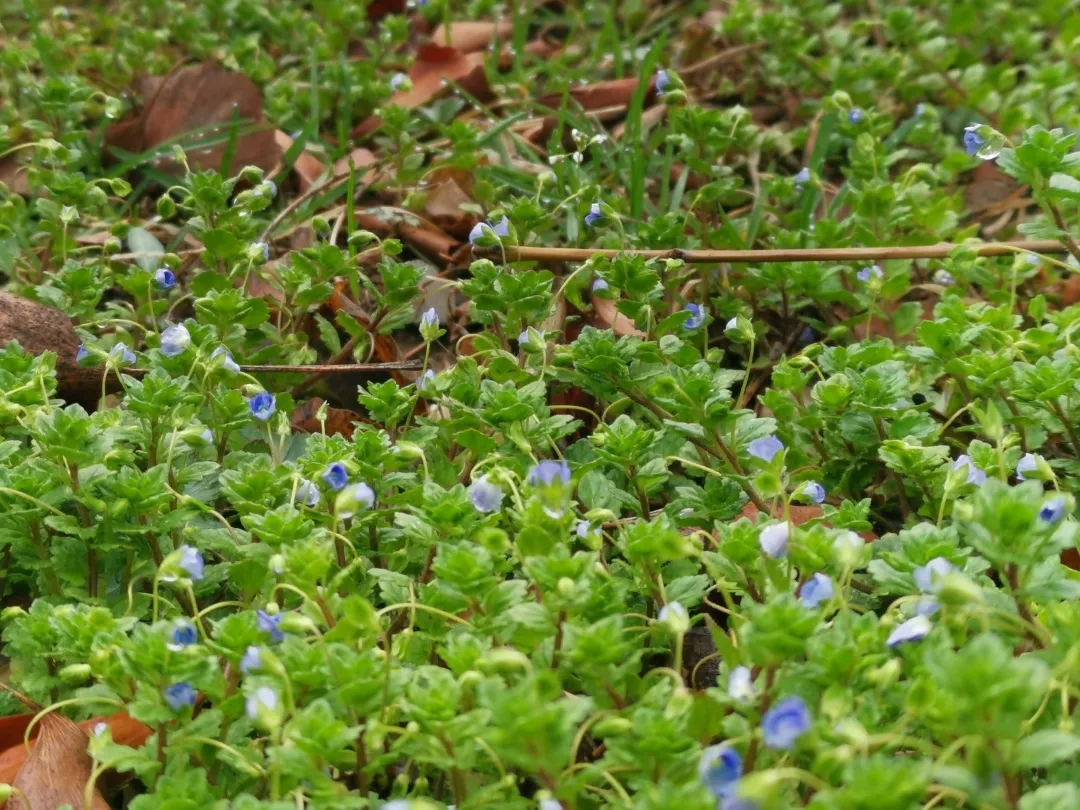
540	405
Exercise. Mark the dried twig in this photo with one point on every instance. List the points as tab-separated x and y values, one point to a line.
327	368
851	254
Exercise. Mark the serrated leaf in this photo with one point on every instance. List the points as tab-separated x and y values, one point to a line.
328	334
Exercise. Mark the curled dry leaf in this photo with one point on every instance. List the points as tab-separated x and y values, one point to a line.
468	37
435	69
38	329
614	93
203	97
447	193
608	315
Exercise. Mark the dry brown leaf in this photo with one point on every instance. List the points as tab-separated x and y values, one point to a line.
445	192
57	770
13	175
338	420
38	329
468	37
199	97
989	188
307	168
799	515
608	315
362	158
614	93
435	68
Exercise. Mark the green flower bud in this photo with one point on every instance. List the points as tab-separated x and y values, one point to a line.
75	673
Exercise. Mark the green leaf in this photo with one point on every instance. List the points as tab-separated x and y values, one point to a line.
1064	185
143	242
1046	747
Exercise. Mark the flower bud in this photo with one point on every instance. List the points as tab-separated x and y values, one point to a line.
612	727
956	589
293	622
566	587
9	613
75	673
503	659
885	675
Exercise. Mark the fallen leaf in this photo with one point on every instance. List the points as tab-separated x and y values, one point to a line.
307	168
39	328
435	69
446	192
203	97
989	188
799	516
362	158
608	315
13	175
339	422
614	93
57	769
468	37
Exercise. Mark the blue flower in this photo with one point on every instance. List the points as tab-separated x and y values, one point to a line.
425	379
191	561
397	80
485	496
262	405
547	472
914	629
740	685
1027	464
773	540
873	270
920	110
974	474
271	187
972	142
263	699
855	115
175	340
697	316
672	610
944	278
663	81
785	722
1053	510
599	284
806	336
251	660
814	491
228	363
735	803
336	476
354	499
262	247
307	493
164	278
270	624
179	695
594	216
81	354
430	319
720	768
183	635
818	589
928	577
502	227
803	176
126	355
927	606
482	229
765	448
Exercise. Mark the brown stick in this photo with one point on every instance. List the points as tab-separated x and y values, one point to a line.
328	368
852	254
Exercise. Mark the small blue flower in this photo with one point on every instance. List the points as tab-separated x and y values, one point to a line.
1053	510
271	187
1027	464
818	589
865	274
262	405
927	606
785	722
806	336
914	629
486	497
263	699
855	115
179	695
802	177
228	363
183	635
673	610
502	227
126	355
164	278
663	81
972	142
81	354
594	216
191	561
773	540
251	660
264	248
974	474
720	768
430	319
270	624
599	284
336	476
920	110
425	379
765	448
697	316
740	684
944	278
307	493
814	491
547	472
175	340
481	229
928	577
397	80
